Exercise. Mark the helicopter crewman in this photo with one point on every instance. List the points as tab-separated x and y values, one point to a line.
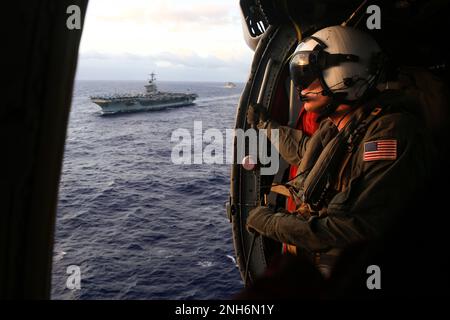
364	164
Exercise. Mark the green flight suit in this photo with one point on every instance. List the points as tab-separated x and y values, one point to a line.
374	187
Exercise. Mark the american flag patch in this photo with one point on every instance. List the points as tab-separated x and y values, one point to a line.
380	150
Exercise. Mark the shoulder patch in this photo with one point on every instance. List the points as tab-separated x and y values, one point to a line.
380	150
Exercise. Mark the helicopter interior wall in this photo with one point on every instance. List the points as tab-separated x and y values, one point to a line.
39	68
267	86
410	31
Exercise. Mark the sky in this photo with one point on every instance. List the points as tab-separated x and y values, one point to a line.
180	40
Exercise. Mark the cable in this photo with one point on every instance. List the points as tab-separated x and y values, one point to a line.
354	13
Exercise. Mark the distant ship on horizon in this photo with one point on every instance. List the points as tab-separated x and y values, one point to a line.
230	85
152	99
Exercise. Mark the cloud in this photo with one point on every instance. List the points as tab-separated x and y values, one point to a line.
201	14
169	66
192	60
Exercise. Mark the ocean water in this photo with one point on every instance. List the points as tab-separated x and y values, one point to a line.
137	225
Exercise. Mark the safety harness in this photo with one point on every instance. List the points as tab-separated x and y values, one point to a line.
317	185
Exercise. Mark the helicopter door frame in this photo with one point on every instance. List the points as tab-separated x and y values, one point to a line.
272	52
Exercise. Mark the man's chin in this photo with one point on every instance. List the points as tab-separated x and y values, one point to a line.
311	107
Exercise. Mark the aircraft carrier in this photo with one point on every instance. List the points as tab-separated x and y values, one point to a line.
152	99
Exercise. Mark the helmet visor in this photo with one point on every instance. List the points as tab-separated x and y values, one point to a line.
303	68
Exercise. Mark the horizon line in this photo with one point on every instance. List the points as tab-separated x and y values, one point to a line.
224	81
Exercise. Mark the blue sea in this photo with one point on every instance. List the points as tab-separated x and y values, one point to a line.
137	225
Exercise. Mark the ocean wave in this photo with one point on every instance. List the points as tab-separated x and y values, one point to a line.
139	226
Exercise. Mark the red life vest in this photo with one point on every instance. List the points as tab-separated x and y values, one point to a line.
307	122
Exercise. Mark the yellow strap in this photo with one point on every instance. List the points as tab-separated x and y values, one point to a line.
291	249
281	189
284	191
